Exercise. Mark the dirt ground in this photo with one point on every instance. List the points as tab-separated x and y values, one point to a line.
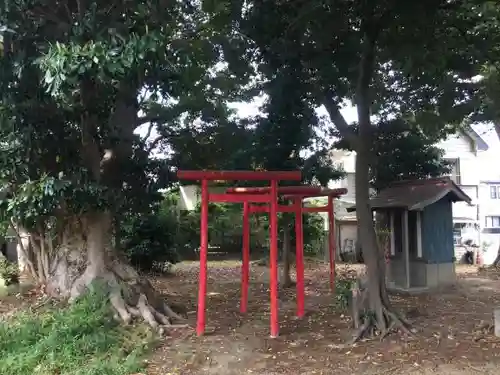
447	339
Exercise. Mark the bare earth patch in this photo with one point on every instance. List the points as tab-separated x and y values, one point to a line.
447	339
17	299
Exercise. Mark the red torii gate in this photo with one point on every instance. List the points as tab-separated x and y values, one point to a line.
257	195
296	194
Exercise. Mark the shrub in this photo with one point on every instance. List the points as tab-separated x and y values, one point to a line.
156	241
83	339
314	234
149	242
343	291
225	228
9	271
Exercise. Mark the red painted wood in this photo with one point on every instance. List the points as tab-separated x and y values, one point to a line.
202	288
273	236
299	257
212	175
290	209
245	267
335	193
301	189
240	198
269	196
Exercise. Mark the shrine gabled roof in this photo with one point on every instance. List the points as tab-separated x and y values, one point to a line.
417	194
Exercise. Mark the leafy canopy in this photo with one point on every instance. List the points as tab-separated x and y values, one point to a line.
74	77
408	60
402	152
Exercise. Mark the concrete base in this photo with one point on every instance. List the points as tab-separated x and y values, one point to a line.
422	275
441	274
408	292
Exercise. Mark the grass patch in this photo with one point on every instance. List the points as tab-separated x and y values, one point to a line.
82	339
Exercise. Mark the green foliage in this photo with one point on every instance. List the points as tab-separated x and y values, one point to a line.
36	201
82	339
168	235
405	60
401	152
225	229
314	234
9	272
149	241
73	78
343	293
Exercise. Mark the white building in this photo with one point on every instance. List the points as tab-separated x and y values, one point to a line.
464	152
475	169
346	224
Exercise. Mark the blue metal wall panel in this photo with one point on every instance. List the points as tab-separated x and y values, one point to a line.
437	232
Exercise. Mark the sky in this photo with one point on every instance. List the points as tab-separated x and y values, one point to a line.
485	130
244	109
248	109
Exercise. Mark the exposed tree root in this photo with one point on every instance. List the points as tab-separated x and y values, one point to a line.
366	322
371	328
132	296
484	330
287	284
137	299
159	316
81	255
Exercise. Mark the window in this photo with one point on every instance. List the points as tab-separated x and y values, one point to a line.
492	221
339	165
495	191
454	165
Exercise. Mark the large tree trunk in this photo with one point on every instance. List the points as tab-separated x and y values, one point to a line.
84	253
497	259
496	263
286	279
379	318
84	256
23	250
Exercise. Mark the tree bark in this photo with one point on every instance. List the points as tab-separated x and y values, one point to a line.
286	279
383	319
80	252
85	256
496	263
497	130
379	319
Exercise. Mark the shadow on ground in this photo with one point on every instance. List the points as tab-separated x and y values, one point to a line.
447	339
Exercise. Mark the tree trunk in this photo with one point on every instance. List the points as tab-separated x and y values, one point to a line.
23	250
497	259
496	263
286	279
380	319
84	257
83	252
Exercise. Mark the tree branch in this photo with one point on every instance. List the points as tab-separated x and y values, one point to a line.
497	128
148	134
153	144
148	118
341	124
